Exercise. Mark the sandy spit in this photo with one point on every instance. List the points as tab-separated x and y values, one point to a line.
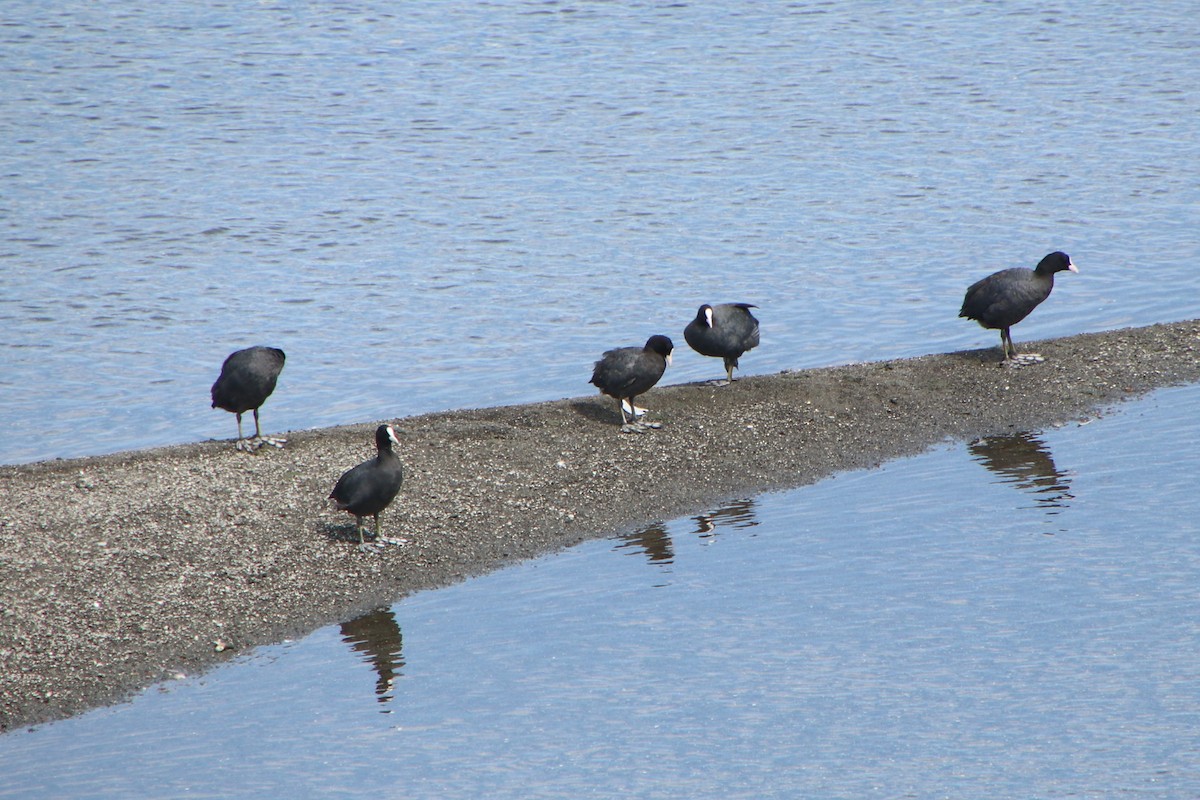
120	571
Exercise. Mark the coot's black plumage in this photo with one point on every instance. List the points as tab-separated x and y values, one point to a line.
369	488
247	379
1004	298
626	372
723	331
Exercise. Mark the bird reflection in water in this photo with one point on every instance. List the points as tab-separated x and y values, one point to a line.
738	514
376	638
1024	459
654	541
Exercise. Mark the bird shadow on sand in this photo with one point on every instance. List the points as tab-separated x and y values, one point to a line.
605	413
988	356
344	533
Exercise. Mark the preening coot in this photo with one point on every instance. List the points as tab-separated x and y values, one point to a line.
626	372
369	488
1004	298
723	331
247	379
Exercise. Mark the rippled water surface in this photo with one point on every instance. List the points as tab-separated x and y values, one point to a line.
450	204
1003	619
455	204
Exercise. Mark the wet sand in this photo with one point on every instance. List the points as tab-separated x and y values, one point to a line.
123	570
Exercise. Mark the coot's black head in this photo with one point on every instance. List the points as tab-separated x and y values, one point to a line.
1058	261
385	437
661	345
704	315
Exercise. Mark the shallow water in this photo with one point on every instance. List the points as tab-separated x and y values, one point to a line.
463	204
1002	620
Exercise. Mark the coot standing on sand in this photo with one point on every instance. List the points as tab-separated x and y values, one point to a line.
626	372
723	331
247	379
370	487
1004	298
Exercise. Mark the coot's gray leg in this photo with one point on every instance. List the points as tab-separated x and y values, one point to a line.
259	440
243	444
362	542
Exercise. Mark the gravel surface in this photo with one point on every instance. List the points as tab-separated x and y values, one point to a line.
123	570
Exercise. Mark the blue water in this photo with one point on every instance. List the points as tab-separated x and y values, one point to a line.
455	204
461	204
991	620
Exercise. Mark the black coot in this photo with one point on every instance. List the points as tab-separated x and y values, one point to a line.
626	372
723	331
247	379
369	488
1004	298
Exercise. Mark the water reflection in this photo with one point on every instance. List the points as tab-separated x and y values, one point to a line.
1025	460
738	514
654	541
376	636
